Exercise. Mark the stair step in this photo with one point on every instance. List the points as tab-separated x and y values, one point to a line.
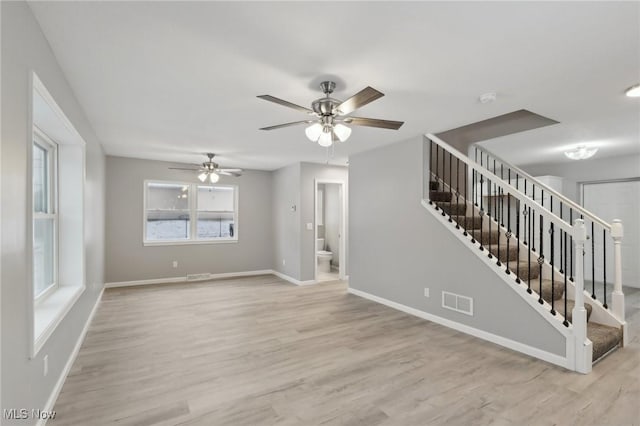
559	307
468	222
434	186
558	290
440	196
453	208
513	251
603	337
485	237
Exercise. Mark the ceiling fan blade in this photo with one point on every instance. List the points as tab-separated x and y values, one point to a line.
183	168
374	122
229	173
230	170
360	99
285	103
278	126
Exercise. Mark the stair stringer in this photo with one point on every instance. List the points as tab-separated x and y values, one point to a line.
569	360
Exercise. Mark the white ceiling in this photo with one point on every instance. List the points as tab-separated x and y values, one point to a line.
172	80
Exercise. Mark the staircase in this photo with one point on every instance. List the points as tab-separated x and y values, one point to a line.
500	211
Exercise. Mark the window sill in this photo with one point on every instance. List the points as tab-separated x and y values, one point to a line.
186	243
50	311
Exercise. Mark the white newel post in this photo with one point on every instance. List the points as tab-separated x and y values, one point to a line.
583	345
617	302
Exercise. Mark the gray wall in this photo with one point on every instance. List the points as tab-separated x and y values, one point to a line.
127	259
594	169
24	49
285	195
309	172
399	248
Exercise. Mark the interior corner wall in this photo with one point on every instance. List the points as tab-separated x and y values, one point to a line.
309	173
127	259
25	49
398	249
285	195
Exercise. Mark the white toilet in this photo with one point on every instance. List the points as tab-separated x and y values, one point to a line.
323	257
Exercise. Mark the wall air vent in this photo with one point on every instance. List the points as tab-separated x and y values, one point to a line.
458	303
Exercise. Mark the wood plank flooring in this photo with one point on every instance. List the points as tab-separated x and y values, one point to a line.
259	351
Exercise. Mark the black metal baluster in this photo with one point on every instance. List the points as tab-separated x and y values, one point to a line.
561	252
495	205
496	201
430	169
473	208
466	199
604	267
529	259
458	192
541	259
475	179
532	240
518	239
571	244
481	209
508	234
501	197
437	173
526	219
444	168
565	322
593	261
450	189
553	282
489	201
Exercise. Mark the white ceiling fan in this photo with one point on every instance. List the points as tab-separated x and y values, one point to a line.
210	170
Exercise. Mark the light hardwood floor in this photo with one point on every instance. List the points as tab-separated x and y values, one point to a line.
259	351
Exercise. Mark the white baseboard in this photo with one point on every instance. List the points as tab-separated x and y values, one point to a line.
485	335
291	279
51	402
184	278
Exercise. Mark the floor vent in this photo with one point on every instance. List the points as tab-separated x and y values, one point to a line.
458	303
198	277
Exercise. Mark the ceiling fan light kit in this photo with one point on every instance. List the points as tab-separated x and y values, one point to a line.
329	126
211	170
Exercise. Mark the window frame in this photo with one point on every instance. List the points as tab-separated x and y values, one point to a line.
51	147
193	214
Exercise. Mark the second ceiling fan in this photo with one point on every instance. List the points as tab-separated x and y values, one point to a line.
331	116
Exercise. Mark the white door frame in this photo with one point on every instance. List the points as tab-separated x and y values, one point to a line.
342	234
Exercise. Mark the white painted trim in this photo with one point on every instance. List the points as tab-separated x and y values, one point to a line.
184	278
292	280
51	402
484	335
60	310
343	220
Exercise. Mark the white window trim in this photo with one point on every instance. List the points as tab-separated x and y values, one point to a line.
193	215
50	309
43	141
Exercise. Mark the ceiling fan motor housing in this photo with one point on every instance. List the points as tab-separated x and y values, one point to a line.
325	106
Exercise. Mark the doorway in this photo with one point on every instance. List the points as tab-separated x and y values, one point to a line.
329	226
618	199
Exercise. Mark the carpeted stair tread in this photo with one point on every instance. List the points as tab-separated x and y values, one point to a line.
558	291
603	337
513	251
440	196
467	222
559	307
434	186
486	237
453	208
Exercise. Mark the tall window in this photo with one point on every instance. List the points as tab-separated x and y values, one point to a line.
181	213
45	217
